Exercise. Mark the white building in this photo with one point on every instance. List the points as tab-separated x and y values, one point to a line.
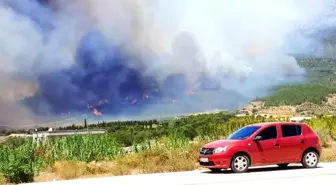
299	119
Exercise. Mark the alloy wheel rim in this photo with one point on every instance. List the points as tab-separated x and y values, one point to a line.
240	163
311	159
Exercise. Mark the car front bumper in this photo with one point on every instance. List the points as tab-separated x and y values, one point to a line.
214	161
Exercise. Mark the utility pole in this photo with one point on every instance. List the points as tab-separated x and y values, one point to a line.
85	123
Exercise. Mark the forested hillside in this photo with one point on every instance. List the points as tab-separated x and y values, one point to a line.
319	82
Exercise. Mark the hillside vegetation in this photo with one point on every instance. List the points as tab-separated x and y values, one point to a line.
298	94
320	81
164	147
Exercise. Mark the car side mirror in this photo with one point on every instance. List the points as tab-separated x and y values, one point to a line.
257	138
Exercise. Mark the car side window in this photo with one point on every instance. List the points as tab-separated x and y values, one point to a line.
268	133
291	130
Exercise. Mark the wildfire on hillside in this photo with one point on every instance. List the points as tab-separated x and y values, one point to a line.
145	96
94	109
97	113
100	103
130	101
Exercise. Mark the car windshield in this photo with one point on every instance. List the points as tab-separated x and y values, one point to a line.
244	132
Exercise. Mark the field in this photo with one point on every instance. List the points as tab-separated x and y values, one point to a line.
151	147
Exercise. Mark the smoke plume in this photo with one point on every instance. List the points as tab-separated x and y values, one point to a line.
141	57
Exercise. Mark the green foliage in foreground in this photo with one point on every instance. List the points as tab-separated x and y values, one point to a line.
21	160
298	94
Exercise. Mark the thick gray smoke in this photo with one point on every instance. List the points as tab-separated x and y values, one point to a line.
139	57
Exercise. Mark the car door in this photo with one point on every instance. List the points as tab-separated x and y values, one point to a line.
268	147
291	142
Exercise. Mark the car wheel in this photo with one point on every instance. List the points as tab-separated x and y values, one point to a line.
284	165
215	169
310	159
240	163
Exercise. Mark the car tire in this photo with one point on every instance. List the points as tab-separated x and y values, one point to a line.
216	170
310	159
240	163
283	165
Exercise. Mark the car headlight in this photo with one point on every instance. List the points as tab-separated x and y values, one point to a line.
220	149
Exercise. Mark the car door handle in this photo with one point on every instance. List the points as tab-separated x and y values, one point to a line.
302	141
276	144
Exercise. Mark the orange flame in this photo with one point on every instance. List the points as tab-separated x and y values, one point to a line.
97	113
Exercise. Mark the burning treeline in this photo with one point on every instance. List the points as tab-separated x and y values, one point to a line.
128	100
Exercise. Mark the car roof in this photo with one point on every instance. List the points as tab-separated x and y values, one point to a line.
276	123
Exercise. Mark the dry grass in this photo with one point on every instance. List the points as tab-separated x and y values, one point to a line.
328	146
3	180
156	161
69	169
151	161
325	138
329	153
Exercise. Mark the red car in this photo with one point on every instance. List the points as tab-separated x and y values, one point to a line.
262	144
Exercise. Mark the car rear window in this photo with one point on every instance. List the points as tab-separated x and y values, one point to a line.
291	130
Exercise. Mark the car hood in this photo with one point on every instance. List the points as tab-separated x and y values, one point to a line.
221	143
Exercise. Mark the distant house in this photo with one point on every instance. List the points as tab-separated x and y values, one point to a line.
299	119
242	113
